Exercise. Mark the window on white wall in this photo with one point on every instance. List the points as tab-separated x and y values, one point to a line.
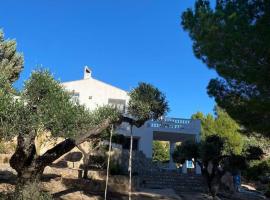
120	104
75	96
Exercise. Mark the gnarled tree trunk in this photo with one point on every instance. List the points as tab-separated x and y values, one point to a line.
30	166
212	175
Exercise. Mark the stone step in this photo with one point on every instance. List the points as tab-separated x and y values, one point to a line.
173	177
173	182
177	188
178	182
183	177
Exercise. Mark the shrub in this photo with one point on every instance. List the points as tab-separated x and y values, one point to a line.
30	191
161	151
257	170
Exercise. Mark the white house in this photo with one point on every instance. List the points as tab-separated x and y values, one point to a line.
93	93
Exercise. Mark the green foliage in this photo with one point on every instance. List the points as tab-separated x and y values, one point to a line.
9	107
234	39
44	104
258	169
186	151
11	62
254	153
147	102
30	191
213	148
235	163
161	151
225	127
258	141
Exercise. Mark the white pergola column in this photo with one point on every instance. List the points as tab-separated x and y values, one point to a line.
198	170
197	138
184	168
172	147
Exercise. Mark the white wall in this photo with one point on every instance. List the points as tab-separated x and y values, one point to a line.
94	93
100	93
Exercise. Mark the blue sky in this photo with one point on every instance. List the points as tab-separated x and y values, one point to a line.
123	41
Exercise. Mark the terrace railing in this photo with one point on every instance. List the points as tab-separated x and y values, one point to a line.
171	123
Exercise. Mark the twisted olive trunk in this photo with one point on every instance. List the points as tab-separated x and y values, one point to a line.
30	166
212	175
85	161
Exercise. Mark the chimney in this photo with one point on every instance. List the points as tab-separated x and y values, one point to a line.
87	73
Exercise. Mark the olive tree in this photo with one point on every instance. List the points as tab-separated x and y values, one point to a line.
44	105
214	160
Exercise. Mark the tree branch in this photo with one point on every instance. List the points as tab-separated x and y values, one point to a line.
137	123
67	145
94	132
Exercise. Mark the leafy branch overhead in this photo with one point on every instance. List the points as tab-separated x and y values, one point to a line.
234	39
147	102
11	62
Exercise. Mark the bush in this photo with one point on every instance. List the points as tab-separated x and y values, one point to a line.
258	169
161	151
30	191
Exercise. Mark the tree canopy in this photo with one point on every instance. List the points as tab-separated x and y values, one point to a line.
224	126
214	159
233	38
43	105
11	62
147	102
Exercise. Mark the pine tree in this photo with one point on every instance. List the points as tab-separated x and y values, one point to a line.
233	38
11	62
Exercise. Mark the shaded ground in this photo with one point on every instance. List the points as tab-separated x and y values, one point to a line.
64	185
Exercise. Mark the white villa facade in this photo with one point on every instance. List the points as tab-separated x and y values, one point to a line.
93	93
